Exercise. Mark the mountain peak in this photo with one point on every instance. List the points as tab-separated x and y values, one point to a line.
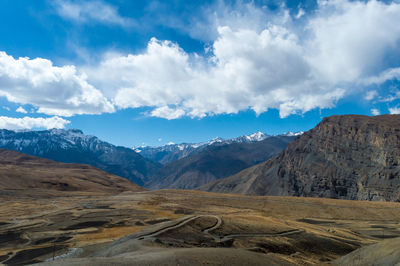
293	134
171	152
257	136
215	140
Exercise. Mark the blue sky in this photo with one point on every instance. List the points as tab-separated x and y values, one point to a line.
151	72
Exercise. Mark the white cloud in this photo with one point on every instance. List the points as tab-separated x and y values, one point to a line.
370	95
394	110
53	90
91	11
351	39
300	13
375	111
390	97
21	110
203	23
247	70
267	64
255	61
32	123
167	113
389	74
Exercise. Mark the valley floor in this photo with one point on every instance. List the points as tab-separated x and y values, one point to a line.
189	227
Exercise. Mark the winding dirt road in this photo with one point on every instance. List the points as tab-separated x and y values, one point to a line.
208	231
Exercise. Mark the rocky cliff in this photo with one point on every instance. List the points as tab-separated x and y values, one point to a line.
348	157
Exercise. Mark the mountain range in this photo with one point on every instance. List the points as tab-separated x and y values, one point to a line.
72	146
346	157
172	152
216	161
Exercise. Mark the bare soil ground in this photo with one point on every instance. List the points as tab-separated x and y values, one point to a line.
186	227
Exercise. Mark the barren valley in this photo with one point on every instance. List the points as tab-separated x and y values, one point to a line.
183	227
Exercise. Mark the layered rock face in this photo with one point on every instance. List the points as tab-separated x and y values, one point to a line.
348	157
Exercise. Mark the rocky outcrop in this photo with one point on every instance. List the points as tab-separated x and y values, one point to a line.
347	157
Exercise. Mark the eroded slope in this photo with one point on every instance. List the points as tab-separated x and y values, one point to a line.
349	157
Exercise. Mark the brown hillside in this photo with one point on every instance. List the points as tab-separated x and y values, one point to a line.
19	171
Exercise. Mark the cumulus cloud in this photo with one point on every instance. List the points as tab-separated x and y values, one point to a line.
203	22
255	61
247	70
32	123
53	90
168	113
350	40
91	11
375	111
340	46
21	110
394	110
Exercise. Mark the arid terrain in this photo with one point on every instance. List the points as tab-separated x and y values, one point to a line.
20	172
184	227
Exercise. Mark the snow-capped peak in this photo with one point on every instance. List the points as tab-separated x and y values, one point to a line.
293	134
258	136
215	140
139	149
181	147
171	151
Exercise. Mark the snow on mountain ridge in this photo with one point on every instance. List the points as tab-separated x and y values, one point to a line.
51	138
293	134
257	136
73	146
172	152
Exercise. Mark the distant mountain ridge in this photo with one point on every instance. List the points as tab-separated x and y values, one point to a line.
216	161
348	157
222	157
172	152
72	146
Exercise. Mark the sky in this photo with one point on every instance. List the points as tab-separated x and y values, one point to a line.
153	72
